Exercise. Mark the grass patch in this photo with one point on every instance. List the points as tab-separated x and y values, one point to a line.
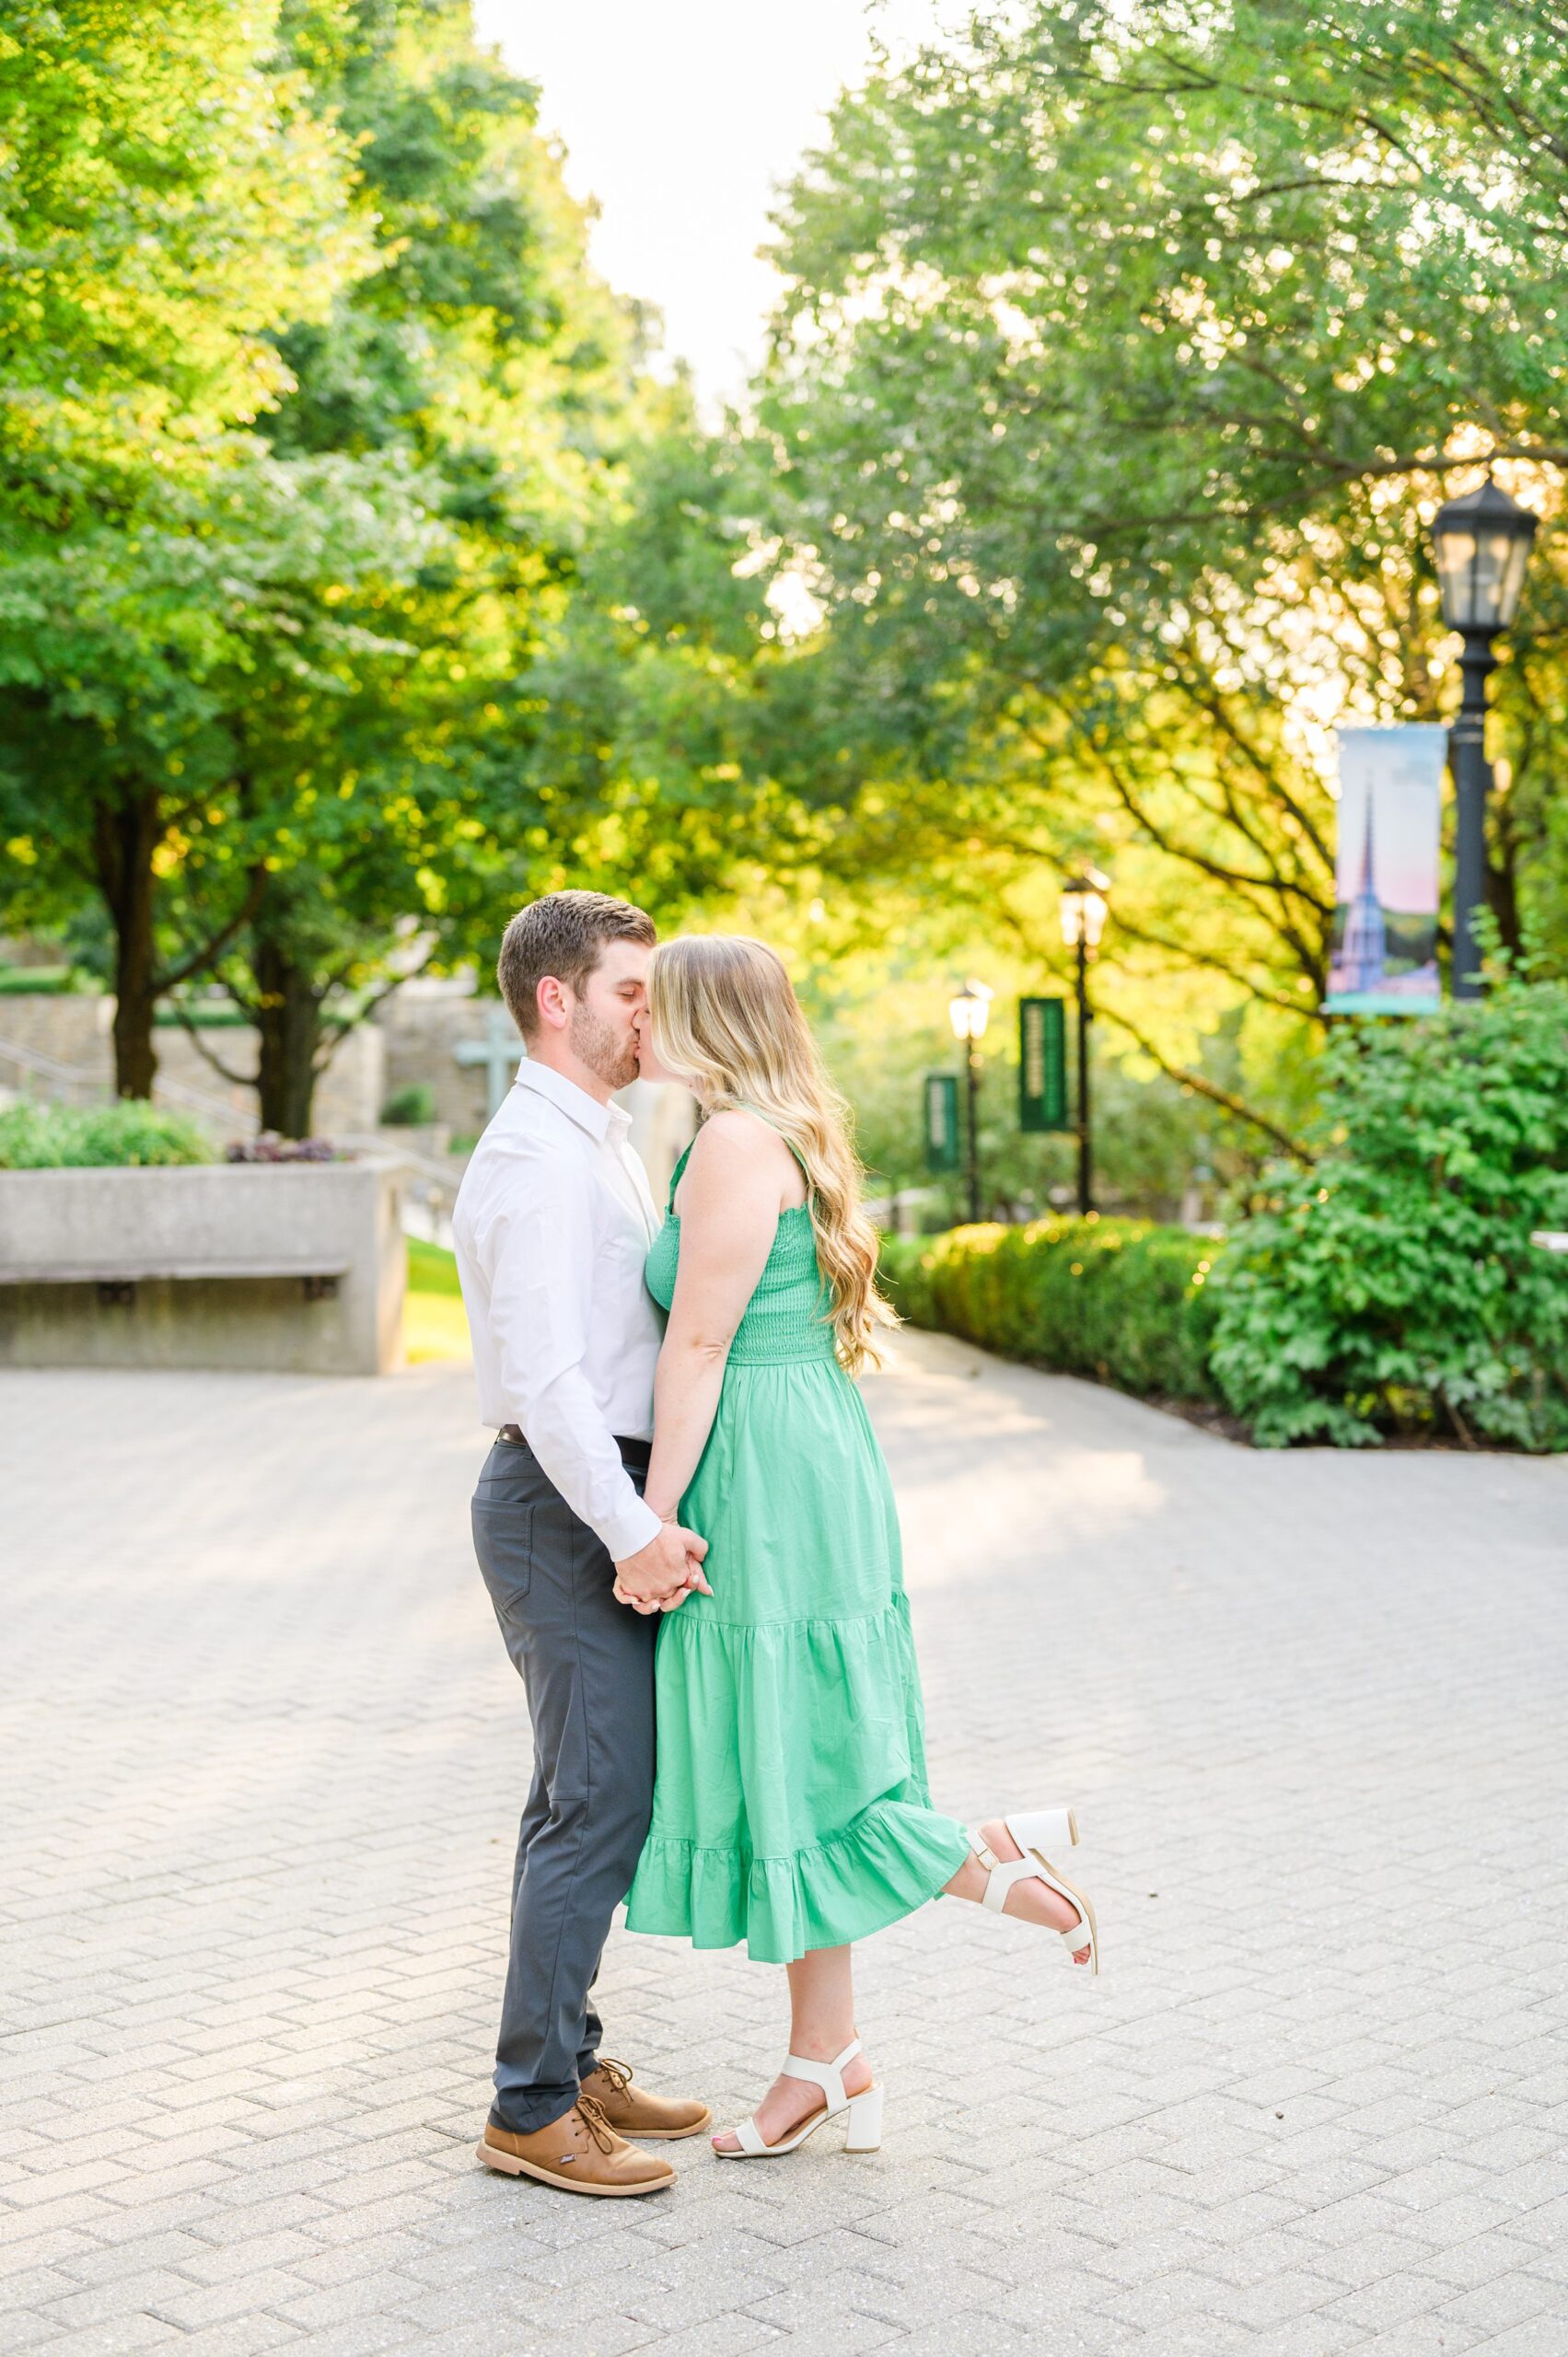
434	1323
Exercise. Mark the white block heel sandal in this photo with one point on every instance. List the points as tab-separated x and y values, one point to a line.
863	2127
1032	1830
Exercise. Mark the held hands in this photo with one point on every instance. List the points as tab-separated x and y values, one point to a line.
661	1575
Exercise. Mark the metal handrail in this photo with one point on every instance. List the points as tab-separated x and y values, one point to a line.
169	1092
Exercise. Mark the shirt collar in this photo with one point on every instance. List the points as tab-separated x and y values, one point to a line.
585	1110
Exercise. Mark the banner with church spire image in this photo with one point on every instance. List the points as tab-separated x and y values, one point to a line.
1384	957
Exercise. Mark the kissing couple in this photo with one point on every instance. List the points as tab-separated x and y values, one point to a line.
688	1536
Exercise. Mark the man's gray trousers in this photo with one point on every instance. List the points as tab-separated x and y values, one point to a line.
587	1663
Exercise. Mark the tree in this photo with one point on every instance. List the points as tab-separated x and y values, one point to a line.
1125	356
168	200
567	651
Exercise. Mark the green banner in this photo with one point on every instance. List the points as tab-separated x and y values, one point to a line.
939	1092
1042	1064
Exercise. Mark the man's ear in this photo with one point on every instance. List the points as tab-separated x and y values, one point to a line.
554	1003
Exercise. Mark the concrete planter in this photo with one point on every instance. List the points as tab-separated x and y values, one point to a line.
297	1268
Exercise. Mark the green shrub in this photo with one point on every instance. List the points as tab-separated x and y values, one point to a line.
412	1107
1121	1300
1394	1287
59	1137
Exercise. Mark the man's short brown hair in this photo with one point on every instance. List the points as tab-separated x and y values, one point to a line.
562	935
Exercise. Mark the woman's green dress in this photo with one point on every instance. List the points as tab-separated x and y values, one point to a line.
790	1808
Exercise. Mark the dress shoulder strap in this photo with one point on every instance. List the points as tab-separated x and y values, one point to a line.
675	1177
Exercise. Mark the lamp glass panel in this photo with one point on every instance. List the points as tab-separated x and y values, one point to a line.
960	1012
1096	910
1481	576
1070	918
1513	580
980	1016
1456	553
1487	570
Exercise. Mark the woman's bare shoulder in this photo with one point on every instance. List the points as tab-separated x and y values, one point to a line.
735	1141
736	1149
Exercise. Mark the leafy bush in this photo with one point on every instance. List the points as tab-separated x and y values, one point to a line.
1121	1300
58	1137
1394	1287
412	1107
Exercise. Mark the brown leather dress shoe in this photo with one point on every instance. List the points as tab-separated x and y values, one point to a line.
631	2111
581	2154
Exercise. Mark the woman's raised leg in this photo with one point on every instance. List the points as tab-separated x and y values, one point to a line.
1033	1901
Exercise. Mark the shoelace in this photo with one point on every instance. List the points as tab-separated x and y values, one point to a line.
618	2075
597	2125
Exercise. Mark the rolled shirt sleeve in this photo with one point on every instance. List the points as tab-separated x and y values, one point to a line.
539	1264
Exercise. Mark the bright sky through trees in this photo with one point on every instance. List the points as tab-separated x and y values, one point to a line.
680	120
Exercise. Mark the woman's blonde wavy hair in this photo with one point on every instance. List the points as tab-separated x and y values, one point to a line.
726	1017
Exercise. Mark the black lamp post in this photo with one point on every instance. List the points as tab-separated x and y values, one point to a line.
968	1013
1084	912
1482	543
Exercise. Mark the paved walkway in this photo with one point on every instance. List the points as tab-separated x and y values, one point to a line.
265	1756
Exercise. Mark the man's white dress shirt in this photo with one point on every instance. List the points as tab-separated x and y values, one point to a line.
551	1225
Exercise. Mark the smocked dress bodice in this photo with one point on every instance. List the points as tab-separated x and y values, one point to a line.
788	1318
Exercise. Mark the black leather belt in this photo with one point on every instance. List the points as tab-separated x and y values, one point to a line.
634	1453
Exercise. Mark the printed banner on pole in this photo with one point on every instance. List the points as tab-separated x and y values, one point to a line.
1042	1064
939	1093
1383	959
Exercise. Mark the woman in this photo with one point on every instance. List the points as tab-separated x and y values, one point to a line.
791	1808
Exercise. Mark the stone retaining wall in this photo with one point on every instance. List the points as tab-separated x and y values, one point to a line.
310	1219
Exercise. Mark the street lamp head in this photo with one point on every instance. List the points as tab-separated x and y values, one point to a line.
971	1010
1480	543
1085	908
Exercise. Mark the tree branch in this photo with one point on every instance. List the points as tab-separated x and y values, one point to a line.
210	1055
1191	956
214	947
334	1033
1202	1087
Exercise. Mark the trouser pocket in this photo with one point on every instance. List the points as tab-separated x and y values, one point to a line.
503	1541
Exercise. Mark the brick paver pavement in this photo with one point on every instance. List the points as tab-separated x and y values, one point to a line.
264	1760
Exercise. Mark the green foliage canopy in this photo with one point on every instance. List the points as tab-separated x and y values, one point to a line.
1126	355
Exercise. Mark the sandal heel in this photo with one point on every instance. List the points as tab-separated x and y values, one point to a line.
863	2131
1044	1828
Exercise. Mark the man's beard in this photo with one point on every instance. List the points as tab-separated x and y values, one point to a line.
613	1059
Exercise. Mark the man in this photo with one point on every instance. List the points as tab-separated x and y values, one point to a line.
552	1224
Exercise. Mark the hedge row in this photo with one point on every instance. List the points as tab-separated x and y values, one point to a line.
1121	1300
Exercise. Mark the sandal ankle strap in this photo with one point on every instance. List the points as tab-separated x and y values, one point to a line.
1002	1874
829	2076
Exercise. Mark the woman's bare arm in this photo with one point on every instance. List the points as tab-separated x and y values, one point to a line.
730	1215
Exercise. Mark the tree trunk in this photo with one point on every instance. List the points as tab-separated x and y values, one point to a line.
288	1017
126	835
